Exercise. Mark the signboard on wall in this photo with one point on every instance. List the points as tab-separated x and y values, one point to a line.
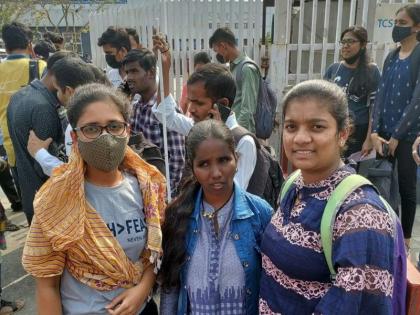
384	22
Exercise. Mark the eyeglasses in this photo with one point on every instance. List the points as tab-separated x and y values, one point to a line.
348	42
115	128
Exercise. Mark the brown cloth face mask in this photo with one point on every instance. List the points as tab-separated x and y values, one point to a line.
105	153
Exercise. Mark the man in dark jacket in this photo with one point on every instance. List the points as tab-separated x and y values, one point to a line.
33	107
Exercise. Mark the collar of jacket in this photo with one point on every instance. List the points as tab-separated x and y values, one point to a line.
17	56
239	59
241	208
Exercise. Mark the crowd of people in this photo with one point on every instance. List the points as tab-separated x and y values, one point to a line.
83	156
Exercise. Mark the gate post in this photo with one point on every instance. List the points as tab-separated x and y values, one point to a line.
279	63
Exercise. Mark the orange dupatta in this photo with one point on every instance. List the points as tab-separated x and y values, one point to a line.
67	231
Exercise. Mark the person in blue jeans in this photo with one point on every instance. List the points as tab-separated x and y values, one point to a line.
212	233
359	79
397	110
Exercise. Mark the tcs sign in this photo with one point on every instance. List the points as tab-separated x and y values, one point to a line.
385	23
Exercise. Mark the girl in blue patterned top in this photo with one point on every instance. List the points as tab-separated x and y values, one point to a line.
397	109
212	233
295	277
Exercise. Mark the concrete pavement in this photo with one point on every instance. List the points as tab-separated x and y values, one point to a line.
16	283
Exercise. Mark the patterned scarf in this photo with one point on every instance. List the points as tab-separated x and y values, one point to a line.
67	231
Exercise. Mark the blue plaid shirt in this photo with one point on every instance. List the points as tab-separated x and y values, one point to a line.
143	120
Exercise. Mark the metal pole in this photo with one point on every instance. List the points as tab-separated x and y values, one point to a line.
164	128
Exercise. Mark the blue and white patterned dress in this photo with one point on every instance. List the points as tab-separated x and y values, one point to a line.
216	279
394	114
296	278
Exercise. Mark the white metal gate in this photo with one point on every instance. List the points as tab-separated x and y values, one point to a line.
188	25
306	39
307	34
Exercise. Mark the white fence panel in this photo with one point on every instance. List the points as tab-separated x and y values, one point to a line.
313	31
188	25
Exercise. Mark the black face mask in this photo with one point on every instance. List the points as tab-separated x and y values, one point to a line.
220	58
400	33
351	60
112	62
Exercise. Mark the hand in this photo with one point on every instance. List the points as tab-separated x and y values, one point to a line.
214	113
35	144
377	143
265	62
367	146
160	43
393	144
415	148
128	302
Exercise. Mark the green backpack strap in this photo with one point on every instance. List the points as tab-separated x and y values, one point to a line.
391	212
347	186
288	182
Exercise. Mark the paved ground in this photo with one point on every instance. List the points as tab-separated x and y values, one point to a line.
14	280
17	284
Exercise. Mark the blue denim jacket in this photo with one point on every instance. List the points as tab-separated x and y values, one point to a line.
251	214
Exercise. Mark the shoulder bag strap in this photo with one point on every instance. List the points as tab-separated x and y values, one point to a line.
347	186
240	68
288	183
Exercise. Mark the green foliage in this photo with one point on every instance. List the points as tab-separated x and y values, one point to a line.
11	10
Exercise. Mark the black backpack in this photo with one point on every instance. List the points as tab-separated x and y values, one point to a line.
267	178
383	174
147	151
265	113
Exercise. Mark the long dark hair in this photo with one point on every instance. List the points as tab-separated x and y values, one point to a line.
178	212
362	83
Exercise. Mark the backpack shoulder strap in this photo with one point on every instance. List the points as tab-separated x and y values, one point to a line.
337	68
288	183
347	186
33	70
391	212
240	132
240	68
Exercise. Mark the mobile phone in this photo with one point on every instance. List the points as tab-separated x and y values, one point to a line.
224	111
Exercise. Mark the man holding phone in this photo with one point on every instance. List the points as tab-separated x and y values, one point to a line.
211	91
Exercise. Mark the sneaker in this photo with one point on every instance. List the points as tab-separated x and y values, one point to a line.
11	227
9	307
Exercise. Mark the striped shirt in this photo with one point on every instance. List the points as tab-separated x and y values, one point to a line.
143	120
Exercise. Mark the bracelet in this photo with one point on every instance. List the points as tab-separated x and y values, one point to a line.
162	52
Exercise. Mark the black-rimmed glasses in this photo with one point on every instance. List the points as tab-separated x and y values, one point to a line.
348	42
115	128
